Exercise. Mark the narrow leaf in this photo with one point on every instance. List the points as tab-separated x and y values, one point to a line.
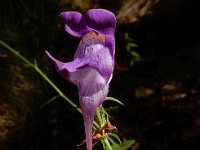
114	136
49	101
114	99
126	144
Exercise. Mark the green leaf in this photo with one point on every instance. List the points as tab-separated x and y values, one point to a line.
114	99
132	45
103	144
114	147
49	101
135	54
105	115
126	144
114	136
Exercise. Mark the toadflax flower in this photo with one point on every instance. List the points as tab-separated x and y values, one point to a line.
92	67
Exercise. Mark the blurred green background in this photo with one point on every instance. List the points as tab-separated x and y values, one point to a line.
157	74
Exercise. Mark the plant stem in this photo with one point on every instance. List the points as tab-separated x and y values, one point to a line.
99	117
108	144
58	90
100	120
111	140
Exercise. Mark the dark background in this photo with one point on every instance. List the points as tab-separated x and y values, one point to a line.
157	74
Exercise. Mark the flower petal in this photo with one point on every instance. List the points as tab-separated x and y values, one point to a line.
92	51
92	87
89	106
74	23
66	70
92	92
57	63
110	43
101	20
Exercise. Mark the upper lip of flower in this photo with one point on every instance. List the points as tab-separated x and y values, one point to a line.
96	20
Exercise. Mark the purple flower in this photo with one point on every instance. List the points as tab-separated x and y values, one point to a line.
92	67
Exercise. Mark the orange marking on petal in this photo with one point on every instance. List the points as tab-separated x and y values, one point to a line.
94	36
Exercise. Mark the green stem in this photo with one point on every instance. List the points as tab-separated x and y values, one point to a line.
108	144
100	120
95	125
58	90
111	140
99	117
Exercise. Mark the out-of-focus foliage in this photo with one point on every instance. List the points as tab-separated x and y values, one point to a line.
131	49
